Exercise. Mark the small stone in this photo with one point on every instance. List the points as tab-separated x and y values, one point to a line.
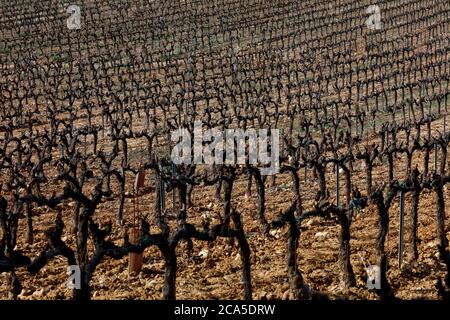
203	254
38	293
275	233
430	244
321	234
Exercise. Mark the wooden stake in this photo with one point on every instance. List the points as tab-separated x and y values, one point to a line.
435	157
174	194
402	216
337	184
135	260
85	145
162	192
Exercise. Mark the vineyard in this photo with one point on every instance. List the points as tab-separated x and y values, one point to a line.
91	93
